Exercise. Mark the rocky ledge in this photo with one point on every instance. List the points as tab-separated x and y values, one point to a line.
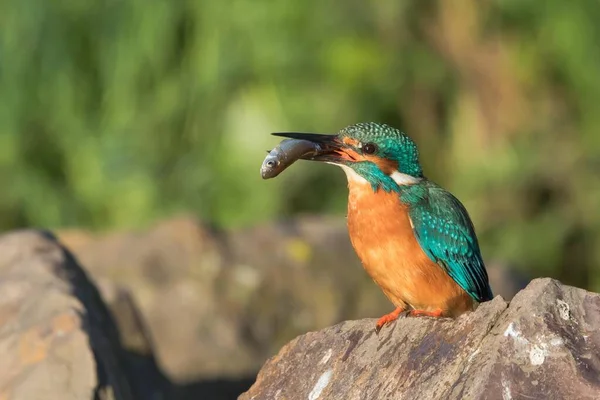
543	345
58	340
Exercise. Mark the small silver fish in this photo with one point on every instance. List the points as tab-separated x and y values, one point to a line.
285	154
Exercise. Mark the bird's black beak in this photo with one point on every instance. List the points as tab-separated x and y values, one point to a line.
331	148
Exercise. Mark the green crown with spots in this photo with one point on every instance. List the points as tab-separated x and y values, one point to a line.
390	143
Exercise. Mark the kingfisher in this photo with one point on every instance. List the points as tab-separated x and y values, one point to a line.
415	239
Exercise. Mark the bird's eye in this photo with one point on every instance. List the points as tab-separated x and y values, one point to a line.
369	148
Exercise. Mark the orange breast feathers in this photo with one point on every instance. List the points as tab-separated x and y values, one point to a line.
382	236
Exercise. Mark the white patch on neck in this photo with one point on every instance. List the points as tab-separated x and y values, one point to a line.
351	174
398	177
404	179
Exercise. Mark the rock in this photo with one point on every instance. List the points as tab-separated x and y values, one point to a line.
57	338
212	296
544	345
174	273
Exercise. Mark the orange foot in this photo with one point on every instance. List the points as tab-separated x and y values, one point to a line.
435	313
388	318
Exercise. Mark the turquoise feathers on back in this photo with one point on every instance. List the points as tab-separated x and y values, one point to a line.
446	234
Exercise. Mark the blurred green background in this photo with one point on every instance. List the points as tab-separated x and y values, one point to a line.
117	113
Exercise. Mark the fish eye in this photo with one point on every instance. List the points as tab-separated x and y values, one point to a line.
272	163
369	148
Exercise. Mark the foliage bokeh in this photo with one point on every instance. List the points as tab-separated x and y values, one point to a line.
117	113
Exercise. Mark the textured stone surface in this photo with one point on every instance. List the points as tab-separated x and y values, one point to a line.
212	296
544	345
57	339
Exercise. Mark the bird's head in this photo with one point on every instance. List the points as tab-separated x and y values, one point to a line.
377	153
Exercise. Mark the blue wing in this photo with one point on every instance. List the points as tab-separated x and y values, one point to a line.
445	233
